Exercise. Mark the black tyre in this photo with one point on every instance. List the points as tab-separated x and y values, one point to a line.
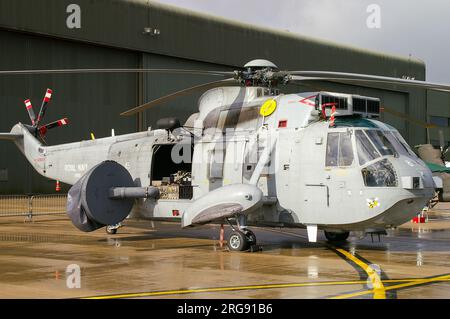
111	231
238	241
251	237
336	237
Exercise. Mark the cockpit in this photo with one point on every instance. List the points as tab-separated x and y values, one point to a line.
372	149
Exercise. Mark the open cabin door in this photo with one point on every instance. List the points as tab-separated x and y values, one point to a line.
171	170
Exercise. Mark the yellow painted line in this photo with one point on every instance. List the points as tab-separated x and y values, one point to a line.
221	289
412	280
379	291
256	287
410	283
377	284
419	282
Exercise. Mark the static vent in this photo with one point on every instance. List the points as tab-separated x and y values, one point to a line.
359	105
373	107
341	102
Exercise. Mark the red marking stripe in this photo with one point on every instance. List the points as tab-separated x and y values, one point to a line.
333	112
28	104
48	95
306	100
64	121
43	130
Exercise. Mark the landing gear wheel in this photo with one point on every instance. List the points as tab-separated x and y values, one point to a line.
336	237
112	229
238	241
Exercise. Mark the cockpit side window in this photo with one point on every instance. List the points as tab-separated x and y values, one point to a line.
339	149
345	149
404	144
399	147
332	149
381	142
366	151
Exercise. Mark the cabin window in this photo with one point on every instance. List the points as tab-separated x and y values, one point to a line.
345	149
366	151
379	174
332	149
399	147
404	144
339	149
381	142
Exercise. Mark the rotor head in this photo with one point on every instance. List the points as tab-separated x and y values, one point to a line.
260	72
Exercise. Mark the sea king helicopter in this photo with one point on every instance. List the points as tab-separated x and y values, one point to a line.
250	156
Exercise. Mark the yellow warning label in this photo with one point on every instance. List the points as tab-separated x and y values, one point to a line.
268	107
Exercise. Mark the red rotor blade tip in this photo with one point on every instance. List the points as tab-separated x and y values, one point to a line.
30	111
48	95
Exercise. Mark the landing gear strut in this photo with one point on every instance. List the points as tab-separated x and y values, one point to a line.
336	237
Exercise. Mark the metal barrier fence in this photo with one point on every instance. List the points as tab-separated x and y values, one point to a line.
32	205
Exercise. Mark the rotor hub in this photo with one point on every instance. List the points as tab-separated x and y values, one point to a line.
259	72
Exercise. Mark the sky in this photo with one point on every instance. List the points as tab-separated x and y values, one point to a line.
404	27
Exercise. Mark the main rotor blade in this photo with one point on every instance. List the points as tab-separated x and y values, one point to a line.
183	92
87	71
30	111
45	101
353	78
408	118
43	129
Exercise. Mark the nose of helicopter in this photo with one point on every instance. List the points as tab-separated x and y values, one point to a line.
413	174
416	187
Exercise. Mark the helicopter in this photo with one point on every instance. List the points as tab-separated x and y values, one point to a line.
251	156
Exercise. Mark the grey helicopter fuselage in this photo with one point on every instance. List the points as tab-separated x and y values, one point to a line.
356	175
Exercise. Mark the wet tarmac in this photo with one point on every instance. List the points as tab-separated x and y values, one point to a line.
164	261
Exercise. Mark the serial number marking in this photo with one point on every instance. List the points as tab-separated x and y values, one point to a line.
246	308
226	308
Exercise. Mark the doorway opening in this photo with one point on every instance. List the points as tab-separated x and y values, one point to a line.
172	177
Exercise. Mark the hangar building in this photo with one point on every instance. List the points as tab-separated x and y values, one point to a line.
57	34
